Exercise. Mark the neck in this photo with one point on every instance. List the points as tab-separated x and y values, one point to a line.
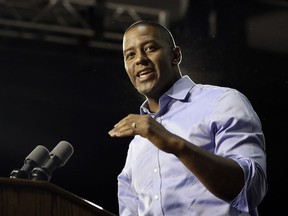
153	99
154	105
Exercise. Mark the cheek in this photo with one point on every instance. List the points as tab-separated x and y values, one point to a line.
126	66
162	62
130	77
129	72
127	69
163	66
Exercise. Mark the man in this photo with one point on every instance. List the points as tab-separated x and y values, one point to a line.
197	149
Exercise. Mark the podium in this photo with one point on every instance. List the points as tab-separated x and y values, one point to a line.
22	197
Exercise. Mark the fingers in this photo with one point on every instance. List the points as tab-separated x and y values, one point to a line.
125	127
122	131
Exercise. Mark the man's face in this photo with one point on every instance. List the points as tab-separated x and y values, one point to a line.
148	60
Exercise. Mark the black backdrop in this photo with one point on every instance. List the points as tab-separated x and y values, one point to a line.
50	93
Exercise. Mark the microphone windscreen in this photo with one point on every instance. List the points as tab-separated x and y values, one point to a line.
39	155
63	151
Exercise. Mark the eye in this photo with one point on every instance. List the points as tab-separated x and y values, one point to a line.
130	55
150	48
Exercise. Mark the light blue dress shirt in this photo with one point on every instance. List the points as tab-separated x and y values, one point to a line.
218	119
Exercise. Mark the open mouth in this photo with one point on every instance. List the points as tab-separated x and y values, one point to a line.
144	75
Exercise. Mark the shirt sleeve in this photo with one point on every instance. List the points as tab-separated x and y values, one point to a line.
127	198
239	136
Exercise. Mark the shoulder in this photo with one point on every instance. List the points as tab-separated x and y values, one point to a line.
219	91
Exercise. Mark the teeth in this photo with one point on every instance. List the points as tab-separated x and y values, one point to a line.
143	73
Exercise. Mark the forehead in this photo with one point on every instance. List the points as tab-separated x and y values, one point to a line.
142	34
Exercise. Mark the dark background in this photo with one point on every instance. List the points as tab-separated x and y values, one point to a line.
55	91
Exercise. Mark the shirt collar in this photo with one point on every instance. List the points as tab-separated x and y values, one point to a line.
181	88
178	91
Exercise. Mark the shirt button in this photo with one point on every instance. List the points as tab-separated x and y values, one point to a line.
156	197
155	170
158	119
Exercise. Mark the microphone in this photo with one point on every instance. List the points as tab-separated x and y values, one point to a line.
57	158
36	158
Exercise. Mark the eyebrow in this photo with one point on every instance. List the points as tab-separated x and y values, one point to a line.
142	43
127	50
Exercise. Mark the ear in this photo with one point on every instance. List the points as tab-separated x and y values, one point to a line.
176	55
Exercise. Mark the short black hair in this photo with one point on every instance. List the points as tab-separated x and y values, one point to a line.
163	29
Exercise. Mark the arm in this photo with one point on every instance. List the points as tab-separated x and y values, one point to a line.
223	172
127	199
214	171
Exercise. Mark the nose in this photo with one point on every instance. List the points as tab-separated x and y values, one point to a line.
141	58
